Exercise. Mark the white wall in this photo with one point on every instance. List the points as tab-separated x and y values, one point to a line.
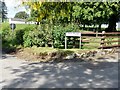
21	22
118	25
16	22
106	25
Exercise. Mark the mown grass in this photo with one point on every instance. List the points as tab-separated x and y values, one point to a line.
42	49
18	26
95	43
22	26
118	29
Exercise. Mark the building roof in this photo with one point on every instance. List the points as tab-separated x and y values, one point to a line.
17	19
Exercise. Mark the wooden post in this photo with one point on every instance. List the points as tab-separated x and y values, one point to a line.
80	42
102	39
65	42
72	34
73	42
96	33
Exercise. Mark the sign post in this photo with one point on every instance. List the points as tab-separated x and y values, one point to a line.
12	26
80	42
72	34
65	42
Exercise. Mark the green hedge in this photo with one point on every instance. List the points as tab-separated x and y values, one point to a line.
59	34
39	37
14	38
29	35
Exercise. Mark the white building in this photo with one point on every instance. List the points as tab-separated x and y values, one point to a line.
106	25
20	21
17	21
118	25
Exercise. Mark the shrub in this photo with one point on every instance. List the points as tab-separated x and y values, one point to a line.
13	39
46	29
59	34
32	38
38	37
19	37
20	31
29	35
6	35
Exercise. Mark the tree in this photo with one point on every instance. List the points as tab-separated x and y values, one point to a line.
3	10
22	15
114	17
89	13
97	13
52	11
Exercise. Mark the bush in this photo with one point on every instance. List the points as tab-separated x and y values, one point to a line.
29	35
19	37
59	34
6	35
14	39
46	29
32	38
39	37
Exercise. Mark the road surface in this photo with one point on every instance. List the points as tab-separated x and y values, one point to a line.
17	73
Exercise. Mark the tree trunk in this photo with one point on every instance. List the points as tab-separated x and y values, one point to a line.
83	26
37	23
112	24
99	27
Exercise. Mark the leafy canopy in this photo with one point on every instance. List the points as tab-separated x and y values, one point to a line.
22	15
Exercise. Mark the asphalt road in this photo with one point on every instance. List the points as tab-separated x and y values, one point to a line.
17	73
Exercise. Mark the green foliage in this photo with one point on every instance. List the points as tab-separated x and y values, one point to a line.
19	37
45	35
6	34
32	38
46	29
97	13
21	15
8	39
59	34
85	13
3	10
14	38
41	36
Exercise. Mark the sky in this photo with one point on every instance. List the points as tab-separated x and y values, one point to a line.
11	4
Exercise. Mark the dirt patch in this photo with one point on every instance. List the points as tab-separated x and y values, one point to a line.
42	55
61	55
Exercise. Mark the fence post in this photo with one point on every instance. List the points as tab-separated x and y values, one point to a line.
65	42
96	33
102	40
80	42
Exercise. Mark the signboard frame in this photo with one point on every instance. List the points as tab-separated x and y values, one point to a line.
72	34
12	26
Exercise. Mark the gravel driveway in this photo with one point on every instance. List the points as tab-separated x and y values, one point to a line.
19	73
